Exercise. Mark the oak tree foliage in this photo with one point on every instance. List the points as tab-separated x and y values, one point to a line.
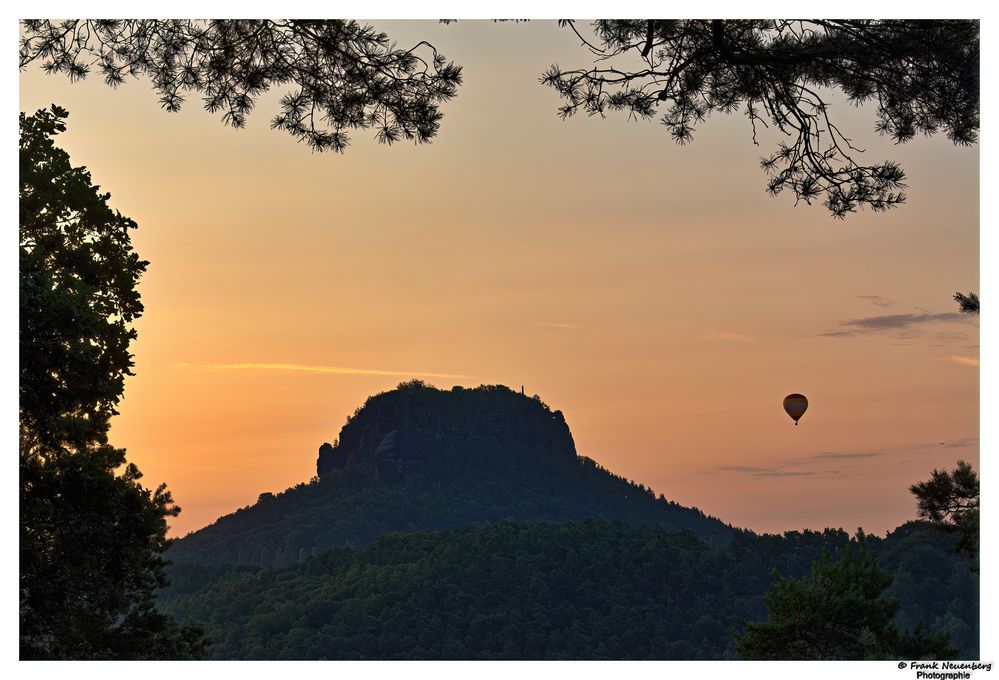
91	544
91	536
78	298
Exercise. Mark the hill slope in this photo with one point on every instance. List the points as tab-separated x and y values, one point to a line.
419	458
586	590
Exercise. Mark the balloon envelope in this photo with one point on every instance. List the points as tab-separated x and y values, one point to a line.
795	405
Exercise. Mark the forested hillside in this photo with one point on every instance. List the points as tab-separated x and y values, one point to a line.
462	524
418	458
587	590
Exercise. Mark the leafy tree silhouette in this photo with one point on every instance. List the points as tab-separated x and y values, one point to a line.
90	539
78	274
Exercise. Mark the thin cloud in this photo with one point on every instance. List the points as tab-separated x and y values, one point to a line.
960	443
567	326
799	467
749	469
898	321
901	325
753	471
325	370
964	361
877	300
842	333
931	447
788	473
835	455
950	336
733	337
828	457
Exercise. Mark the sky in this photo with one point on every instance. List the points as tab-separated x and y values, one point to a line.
653	293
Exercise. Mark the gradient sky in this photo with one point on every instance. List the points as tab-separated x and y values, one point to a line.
653	293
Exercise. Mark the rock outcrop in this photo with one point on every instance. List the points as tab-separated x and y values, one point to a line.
415	425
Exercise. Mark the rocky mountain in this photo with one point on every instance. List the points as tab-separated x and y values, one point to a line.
421	458
399	432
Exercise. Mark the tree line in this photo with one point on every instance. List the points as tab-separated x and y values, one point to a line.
596	589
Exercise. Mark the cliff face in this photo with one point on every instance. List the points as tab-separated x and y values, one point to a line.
408	429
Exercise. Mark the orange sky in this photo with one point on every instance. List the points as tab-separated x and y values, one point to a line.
653	293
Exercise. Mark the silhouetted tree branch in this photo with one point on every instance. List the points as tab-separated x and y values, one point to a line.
969	303
347	75
951	501
923	76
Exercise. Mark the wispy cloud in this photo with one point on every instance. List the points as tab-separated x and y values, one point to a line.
960	443
964	361
748	469
732	337
835	455
327	370
931	447
903	325
877	300
753	471
949	337
847	333
567	326
804	466
896	321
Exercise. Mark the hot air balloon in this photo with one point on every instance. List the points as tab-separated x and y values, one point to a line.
795	405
